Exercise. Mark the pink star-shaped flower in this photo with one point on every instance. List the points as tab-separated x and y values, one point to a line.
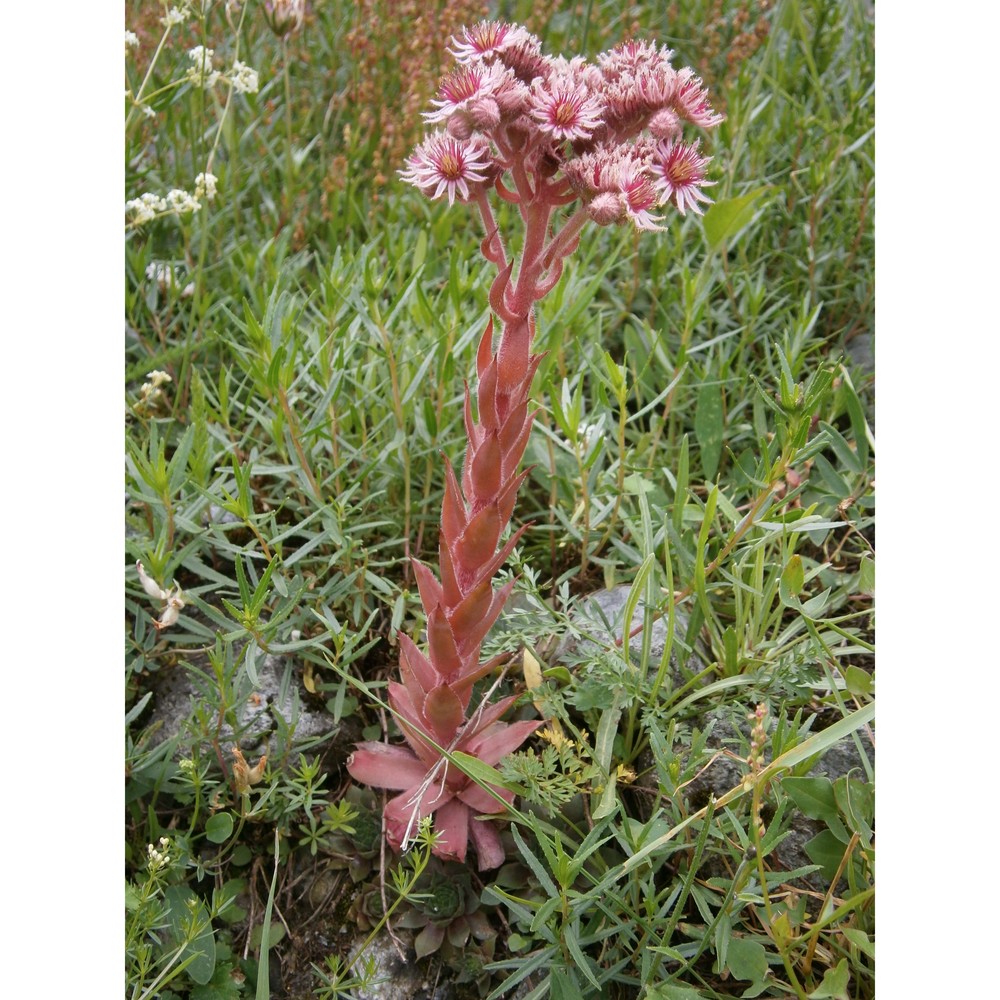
679	175
565	110
442	163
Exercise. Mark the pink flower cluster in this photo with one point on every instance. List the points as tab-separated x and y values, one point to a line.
543	133
610	134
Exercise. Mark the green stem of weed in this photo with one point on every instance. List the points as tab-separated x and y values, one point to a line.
294	433
199	276
289	157
137	101
756	833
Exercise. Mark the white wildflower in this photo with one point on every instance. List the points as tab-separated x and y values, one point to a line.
205	185
181	202
171	612
174	16
148	111
158	378
158	858
244	78
145	207
201	74
149	584
131	40
166	278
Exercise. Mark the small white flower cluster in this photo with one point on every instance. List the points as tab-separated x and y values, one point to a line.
180	201
145	208
158	858
175	16
165	276
151	393
174	598
201	74
205	185
243	78
131	40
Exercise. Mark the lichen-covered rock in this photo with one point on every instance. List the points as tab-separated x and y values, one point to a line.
730	731
279	703
599	617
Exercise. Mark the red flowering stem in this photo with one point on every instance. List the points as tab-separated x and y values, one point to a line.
541	132
564	242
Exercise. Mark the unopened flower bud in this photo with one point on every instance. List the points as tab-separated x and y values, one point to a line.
665	124
485	112
460	126
606	209
284	16
149	584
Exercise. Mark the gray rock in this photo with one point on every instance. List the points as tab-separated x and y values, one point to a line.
860	351
394	978
219	515
725	772
279	702
605	608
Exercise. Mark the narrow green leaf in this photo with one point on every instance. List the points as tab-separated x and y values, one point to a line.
708	427
582	963
136	710
534	864
847	455
680	494
730	643
263	971
866	575
603	747
635	595
480	771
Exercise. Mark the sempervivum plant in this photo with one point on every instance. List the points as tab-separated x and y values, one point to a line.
566	141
